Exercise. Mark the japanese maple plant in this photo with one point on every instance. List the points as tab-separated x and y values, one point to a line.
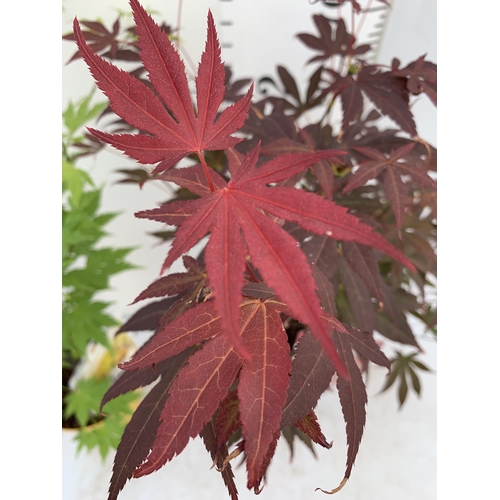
318	236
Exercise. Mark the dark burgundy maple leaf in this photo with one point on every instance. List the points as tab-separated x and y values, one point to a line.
360	302
98	37
298	105
149	317
421	75
183	288
133	176
266	126
384	89
392	166
170	136
219	455
139	434
341	43
312	373
89	145
132	380
233	88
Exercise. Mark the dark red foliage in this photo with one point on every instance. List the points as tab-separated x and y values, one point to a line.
315	235
340	43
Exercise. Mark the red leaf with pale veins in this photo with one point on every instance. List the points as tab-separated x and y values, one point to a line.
309	425
267	460
194	397
183	302
171	285
226	209
294	284
171	138
198	324
226	245
228	418
262	387
140	432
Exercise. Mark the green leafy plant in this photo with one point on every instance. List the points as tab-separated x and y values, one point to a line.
319	237
86	269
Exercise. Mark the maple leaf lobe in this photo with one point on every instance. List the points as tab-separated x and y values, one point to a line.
170	138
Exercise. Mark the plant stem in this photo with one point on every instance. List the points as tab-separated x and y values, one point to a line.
179	16
253	277
206	169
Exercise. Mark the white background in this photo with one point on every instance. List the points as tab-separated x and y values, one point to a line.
469	434
397	456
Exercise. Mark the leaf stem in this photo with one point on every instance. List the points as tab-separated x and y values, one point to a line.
351	48
253	277
206	169
366	10
328	108
179	16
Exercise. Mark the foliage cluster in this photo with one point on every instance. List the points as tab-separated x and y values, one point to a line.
87	267
320	235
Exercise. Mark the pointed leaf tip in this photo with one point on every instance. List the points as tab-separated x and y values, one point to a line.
336	490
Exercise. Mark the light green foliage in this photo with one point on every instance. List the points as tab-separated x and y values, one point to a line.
77	115
84	403
86	270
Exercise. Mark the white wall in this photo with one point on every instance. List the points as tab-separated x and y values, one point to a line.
397	457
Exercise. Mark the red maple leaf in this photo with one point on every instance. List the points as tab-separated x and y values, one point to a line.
263	379
223	356
233	215
197	393
177	132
